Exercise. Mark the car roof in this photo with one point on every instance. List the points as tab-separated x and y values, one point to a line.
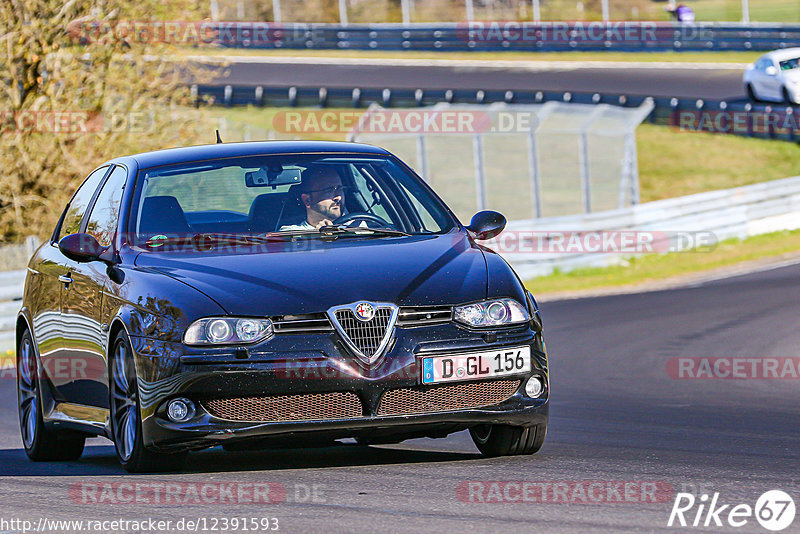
172	156
786	53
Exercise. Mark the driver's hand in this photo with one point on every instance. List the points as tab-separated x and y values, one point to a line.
323	222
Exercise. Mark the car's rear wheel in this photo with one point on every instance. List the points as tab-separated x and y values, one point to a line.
126	421
507	440
40	443
751	93
787	97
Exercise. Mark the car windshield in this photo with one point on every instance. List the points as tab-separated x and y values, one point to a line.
244	199
790	64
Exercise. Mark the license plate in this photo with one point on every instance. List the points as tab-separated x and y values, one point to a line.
475	366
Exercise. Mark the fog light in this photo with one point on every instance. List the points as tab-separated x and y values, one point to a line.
534	387
180	410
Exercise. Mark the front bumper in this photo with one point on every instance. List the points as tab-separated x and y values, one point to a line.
292	364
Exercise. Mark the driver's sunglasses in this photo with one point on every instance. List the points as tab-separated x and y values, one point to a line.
332	191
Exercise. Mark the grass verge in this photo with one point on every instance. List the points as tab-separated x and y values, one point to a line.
658	267
674	163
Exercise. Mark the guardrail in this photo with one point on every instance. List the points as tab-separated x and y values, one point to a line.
11	286
13	260
738	212
738	117
642	36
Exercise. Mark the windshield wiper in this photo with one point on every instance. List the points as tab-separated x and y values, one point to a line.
360	230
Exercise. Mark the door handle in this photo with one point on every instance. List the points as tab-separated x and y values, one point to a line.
65	279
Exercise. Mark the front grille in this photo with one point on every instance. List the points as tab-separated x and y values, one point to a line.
301	324
311	407
365	335
424	315
446	397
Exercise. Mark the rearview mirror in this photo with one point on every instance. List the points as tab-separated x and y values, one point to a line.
486	224
266	177
771	71
81	247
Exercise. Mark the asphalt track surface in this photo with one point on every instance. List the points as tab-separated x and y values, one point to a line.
630	79
616	415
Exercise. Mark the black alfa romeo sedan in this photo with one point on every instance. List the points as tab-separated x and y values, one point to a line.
253	295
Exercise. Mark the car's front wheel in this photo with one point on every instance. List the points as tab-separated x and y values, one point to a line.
41	444
751	93
507	440
126	421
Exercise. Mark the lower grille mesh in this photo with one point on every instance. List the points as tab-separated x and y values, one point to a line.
447	397
312	407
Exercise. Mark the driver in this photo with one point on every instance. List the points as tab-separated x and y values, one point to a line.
321	194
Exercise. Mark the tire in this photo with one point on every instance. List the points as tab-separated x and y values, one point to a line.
41	444
507	440
786	97
126	420
751	93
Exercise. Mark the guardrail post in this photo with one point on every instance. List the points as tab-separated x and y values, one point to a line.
418	96
406	9
276	11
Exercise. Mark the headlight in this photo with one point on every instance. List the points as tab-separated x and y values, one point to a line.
499	312
227	330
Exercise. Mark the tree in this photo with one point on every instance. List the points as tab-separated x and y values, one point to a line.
76	90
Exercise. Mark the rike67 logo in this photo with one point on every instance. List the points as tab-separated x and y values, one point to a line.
774	510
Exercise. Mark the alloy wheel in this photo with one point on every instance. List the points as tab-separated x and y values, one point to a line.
125	412
28	395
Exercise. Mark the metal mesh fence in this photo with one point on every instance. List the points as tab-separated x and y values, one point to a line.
526	161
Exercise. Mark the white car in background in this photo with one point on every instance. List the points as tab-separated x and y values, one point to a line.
775	76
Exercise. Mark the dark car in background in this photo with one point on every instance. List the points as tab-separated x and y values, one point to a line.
180	304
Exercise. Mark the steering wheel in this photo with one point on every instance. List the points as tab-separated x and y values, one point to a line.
360	216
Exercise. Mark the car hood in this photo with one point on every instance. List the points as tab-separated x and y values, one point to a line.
312	275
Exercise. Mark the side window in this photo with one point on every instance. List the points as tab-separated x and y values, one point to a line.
80	202
103	219
372	199
429	224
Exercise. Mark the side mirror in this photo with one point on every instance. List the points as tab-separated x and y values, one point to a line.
771	71
81	247
486	224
